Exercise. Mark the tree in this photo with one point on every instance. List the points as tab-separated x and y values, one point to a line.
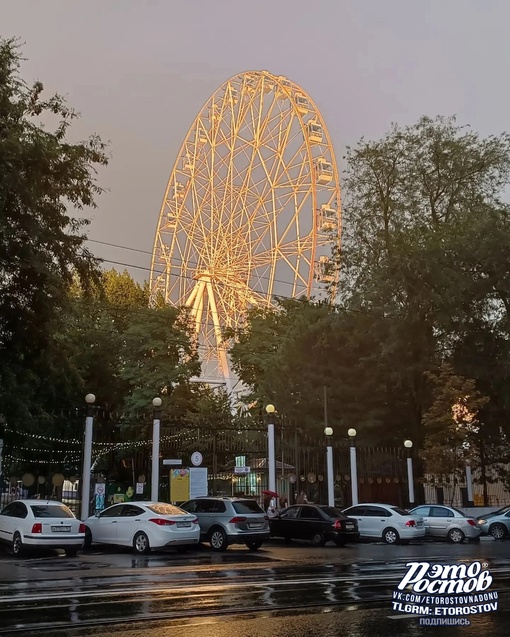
419	255
44	180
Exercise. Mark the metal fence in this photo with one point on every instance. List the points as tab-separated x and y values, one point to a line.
121	463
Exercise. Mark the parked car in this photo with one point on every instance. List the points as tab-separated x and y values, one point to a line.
142	525
386	522
496	523
32	524
225	521
447	523
317	523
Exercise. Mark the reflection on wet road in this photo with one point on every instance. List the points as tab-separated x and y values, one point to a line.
233	592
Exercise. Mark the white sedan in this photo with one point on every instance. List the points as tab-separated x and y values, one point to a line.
40	524
386	522
142	525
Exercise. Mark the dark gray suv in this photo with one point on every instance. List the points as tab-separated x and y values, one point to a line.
225	521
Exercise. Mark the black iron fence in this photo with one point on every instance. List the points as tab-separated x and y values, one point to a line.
121	463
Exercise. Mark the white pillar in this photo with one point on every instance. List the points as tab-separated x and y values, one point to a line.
469	485
331	482
410	480
271	457
354	476
90	399
156	424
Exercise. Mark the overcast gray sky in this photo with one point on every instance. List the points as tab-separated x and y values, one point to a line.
139	71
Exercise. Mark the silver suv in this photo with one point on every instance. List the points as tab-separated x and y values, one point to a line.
225	521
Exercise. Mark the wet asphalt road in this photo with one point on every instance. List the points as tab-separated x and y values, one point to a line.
282	591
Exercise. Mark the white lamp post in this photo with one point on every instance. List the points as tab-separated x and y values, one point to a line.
408	444
271	455
354	469
90	399
156	423
328	432
469	484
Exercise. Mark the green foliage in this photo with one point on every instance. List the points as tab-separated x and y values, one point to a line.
452	422
44	179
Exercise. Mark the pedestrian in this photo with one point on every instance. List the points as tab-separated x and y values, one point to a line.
302	499
271	509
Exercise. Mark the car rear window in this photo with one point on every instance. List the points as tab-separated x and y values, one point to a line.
400	511
246	506
461	513
51	511
166	509
333	513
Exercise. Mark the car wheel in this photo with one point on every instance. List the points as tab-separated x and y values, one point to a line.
254	546
498	531
218	540
456	536
88	538
71	551
141	543
17	545
390	536
318	539
340	542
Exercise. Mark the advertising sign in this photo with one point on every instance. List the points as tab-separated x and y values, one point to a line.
179	485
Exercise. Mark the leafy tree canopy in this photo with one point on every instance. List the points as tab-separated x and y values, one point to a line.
44	180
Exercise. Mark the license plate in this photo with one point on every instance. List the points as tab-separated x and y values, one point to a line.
419	523
254	526
60	529
349	526
183	524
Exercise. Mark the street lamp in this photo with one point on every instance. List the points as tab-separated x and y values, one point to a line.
354	469
408	444
328	432
271	455
156	423
90	399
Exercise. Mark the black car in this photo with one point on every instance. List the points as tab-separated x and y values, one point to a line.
314	522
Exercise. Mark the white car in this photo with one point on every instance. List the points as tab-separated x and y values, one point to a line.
386	522
40	524
142	525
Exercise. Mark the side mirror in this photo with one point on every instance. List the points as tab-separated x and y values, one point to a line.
97	514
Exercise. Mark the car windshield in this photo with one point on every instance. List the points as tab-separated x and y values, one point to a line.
166	509
501	511
51	511
246	506
333	513
400	511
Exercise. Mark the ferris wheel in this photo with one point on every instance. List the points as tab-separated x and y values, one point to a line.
251	211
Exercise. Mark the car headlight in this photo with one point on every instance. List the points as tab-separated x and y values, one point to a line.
482	521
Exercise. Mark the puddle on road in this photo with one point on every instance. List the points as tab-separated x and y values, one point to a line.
60	565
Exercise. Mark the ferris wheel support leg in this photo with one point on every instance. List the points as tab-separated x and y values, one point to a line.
197	298
222	352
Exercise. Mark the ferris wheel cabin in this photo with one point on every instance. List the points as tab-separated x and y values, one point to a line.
301	103
284	87
315	132
323	271
323	171
326	219
178	190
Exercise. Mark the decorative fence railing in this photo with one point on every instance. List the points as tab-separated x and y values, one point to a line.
119	462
